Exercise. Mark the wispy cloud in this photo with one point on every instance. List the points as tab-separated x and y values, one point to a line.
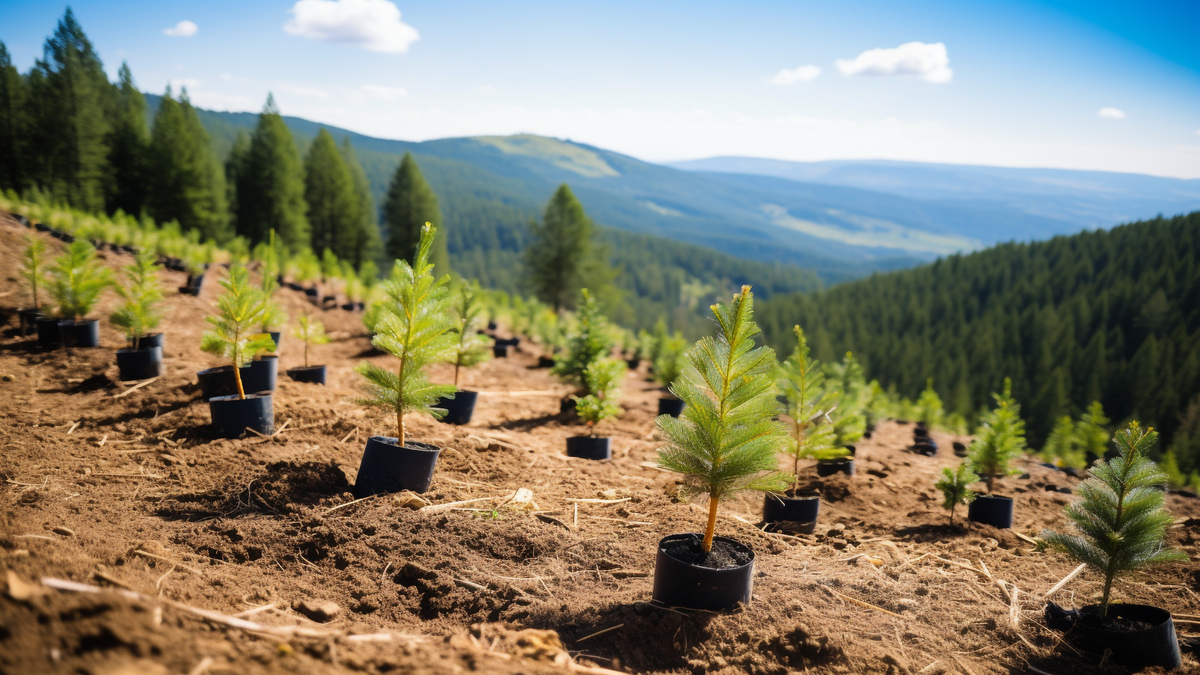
802	74
373	25
1112	113
234	78
928	62
184	28
385	93
304	91
181	82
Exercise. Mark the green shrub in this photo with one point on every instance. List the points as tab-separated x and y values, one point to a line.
77	279
603	379
310	332
999	440
239	310
929	406
139	314
471	348
1119	519
33	267
955	487
726	439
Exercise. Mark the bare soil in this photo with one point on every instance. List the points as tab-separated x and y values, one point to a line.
131	495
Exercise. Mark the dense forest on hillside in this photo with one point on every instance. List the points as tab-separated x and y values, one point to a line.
1112	316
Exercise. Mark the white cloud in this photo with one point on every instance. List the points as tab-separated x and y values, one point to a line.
374	25
184	28
928	62
304	91
181	82
385	93
1112	113
802	74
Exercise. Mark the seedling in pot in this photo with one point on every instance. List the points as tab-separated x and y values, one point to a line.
311	332
471	348
240	309
808	405
33	268
139	314
415	326
999	441
667	368
955	487
273	315
603	378
590	342
77	279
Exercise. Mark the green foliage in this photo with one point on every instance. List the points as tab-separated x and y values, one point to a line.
800	379
304	267
999	440
367	244
77	278
955	485
471	348
1071	442
186	182
1119	520
416	327
849	400
334	207
726	439
560	251
139	315
310	332
129	144
929	406
668	365
270	185
410	204
602	379
33	266
239	310
591	341
1185	446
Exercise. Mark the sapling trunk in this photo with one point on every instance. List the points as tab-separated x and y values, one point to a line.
136	342
306	351
711	528
237	375
456	365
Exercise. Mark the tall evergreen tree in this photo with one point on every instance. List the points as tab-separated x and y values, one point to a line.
369	245
12	123
129	144
561	246
409	205
235	164
270	191
186	181
334	210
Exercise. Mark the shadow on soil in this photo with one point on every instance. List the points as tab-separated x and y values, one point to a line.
277	488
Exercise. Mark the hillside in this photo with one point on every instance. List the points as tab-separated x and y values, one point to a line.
1111	315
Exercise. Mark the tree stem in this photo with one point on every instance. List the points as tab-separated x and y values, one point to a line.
711	528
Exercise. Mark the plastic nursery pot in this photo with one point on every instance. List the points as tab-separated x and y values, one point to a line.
851	449
28	321
387	467
139	364
589	447
152	340
545	362
829	467
492	325
799	511
926	447
566	406
231	416
48	336
348	306
500	351
80	334
670	406
294	286
633	363
1138	636
312	294
311	374
684	576
458	409
511	342
991	510
960	450
216	382
275	337
195	282
262	374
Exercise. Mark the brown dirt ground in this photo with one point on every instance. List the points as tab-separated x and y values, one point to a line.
151	503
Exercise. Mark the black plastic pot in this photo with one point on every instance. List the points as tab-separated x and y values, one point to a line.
262	374
633	363
670	406
258	377
231	416
360	306
311	374
500	351
294	286
851	449
216	382
387	467
41	227
960	450
829	467
348	306
152	340
1156	645
28	321
926	447
991	510
511	342
312	294
566	406
195	282
80	334
800	512
458	409
589	447
47	332
139	364
492	325
275	337
545	362
679	582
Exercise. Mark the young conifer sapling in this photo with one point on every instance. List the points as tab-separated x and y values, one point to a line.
955	487
669	365
239	311
77	279
1000	439
33	267
311	332
417	327
727	438
590	342
471	348
142	293
808	404
603	378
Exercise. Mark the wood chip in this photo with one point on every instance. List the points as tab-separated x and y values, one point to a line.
135	387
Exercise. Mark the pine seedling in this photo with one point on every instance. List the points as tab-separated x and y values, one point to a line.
471	347
590	342
603	378
1000	439
273	316
417	328
33	267
1090	431
239	309
139	314
929	406
669	364
1119	519
77	279
310	332
955	487
849	399
808	404
726	439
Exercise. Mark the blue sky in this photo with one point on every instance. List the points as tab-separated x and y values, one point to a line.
1072	84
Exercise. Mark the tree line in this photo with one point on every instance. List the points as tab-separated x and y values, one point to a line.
1110	316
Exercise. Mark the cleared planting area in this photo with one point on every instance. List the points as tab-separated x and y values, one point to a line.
222	556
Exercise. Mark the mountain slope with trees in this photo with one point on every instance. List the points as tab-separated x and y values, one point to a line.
1110	316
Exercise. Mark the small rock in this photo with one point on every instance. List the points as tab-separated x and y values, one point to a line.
319	611
1065	490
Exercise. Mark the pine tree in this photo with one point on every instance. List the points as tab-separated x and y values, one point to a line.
471	348
13	123
334	215
129	147
310	332
368	246
415	326
1000	439
602	380
929	406
591	342
77	278
802	382
142	292
560	247
1119	519
270	191
410	203
240	309
235	165
186	182
669	365
33	267
726	439
954	486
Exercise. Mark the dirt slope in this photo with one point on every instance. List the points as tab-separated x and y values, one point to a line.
132	494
